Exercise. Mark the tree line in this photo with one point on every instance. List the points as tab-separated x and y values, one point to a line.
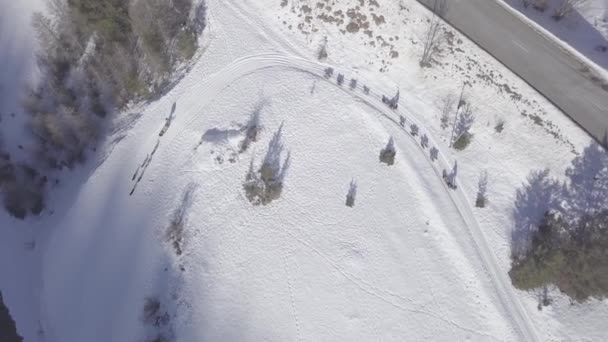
95	57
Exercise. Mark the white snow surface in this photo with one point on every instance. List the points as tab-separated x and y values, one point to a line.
410	261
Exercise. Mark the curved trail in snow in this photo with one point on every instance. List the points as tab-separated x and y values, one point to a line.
252	64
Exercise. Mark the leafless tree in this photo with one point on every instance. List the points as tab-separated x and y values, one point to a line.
566	7
433	38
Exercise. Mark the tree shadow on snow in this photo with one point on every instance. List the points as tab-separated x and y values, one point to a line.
583	193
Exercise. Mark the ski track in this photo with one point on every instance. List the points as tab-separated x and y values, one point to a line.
251	64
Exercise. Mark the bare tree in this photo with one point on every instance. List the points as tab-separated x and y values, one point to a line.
432	38
566	7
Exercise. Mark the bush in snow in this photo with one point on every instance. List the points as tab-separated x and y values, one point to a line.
340	79
414	129
500	126
156	317
387	154
463	141
322	55
352	194
424	141
463	126
265	184
22	188
434	153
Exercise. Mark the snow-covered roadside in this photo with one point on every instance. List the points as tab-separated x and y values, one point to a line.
583	33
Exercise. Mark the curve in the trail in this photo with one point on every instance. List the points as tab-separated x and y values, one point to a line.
251	64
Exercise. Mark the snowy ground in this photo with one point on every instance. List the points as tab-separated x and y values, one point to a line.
585	29
406	263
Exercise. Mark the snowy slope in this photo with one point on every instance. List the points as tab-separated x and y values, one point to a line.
409	262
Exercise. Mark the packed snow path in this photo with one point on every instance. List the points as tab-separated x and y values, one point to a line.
251	64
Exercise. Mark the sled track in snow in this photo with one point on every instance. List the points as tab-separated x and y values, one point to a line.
252	64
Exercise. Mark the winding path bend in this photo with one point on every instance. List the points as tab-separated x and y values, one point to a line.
242	67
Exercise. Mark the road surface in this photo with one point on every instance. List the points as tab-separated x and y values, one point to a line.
538	60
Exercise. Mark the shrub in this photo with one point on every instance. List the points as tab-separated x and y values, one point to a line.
463	141
500	126
266	184
387	154
575	259
187	44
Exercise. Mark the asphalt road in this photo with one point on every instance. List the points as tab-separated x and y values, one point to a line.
541	62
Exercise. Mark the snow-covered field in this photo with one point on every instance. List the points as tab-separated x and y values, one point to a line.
410	261
585	29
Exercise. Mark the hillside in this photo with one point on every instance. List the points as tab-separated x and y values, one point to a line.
258	198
